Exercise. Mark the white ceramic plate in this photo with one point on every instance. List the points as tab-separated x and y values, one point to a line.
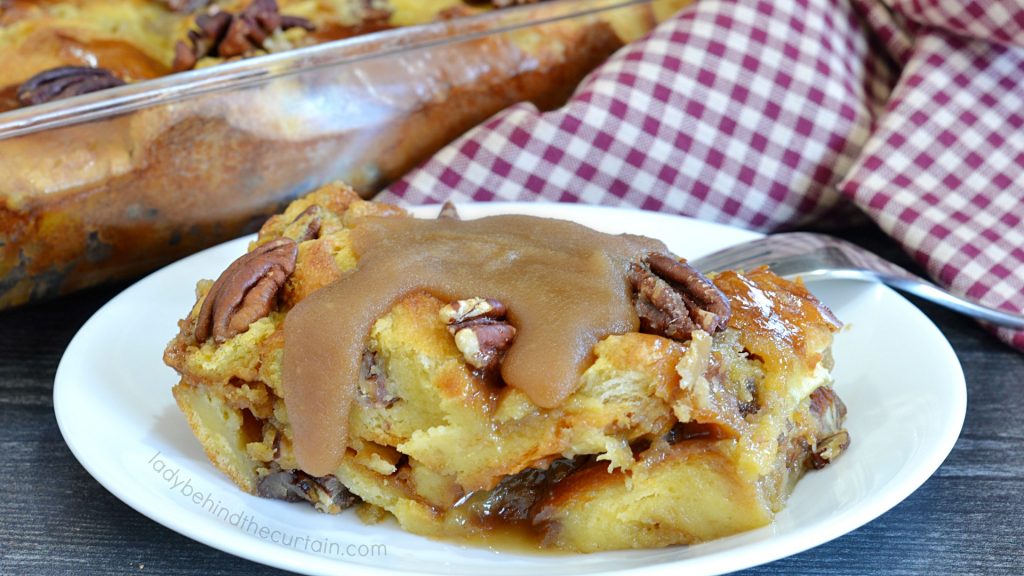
112	396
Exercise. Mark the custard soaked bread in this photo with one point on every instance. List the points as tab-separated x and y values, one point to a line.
509	374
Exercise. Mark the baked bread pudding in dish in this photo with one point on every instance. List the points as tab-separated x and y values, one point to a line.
509	375
63	48
265	108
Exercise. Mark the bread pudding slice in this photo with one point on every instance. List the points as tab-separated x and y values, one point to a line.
693	422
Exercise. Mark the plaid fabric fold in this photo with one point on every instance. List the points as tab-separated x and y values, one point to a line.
770	115
1000	21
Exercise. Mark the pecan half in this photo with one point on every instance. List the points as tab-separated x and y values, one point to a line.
481	333
296	486
502	3
310	220
376	392
829	411
673	299
186	6
246	291
462	311
65	82
202	42
224	35
484	343
448	212
830	448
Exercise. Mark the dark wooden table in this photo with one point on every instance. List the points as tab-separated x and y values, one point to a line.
55	519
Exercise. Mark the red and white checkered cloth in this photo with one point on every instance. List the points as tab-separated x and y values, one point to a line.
768	114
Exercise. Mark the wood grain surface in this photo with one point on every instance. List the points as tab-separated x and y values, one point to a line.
55	519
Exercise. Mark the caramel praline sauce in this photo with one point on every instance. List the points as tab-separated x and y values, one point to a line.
779	320
564	285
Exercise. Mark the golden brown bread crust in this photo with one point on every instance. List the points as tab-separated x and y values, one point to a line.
664	442
93	202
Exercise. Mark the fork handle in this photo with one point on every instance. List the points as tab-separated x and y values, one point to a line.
933	293
942	297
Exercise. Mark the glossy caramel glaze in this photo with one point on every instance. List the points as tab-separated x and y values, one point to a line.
779	320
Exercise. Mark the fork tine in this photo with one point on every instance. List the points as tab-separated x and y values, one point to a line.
732	257
761	251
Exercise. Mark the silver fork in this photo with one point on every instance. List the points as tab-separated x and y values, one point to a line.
818	256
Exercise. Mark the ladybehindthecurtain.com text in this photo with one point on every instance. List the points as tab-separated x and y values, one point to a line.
248	523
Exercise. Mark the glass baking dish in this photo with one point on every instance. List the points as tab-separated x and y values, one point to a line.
115	183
